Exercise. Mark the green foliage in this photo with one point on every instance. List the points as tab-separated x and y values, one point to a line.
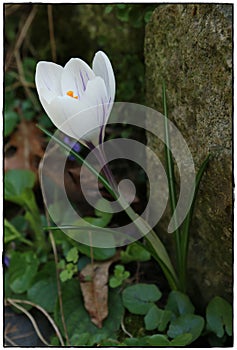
43	288
157	319
15	105
102	212
18	189
128	89
67	243
137	15
44	293
162	340
135	252
99	254
120	275
80	339
29	65
179	303
140	297
72	255
17	184
69	265
158	340
176	323
22	270
68	273
28	109
219	317
187	323
10	121
181	235
12	234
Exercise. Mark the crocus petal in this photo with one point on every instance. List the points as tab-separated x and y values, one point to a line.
83	126
102	67
75	77
85	118
56	112
48	79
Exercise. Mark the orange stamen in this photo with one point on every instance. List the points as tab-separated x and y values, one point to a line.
70	93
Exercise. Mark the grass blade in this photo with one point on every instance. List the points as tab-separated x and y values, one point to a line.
171	178
186	224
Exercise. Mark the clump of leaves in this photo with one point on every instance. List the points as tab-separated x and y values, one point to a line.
177	324
69	265
119	276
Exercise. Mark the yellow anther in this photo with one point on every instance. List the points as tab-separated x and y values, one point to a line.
70	93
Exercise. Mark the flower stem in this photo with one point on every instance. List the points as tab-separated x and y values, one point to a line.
155	245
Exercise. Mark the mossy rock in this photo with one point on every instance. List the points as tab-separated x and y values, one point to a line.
189	46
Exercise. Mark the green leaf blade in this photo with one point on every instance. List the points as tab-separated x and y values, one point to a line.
139	298
219	316
179	303
187	323
22	270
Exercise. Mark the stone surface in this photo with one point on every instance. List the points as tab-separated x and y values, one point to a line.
189	46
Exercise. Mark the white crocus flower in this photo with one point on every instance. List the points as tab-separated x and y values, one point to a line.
78	99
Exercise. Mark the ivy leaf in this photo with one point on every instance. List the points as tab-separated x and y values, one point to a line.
179	303
182	340
72	255
65	275
134	252
157	318
219	316
187	323
158	340
139	298
119	276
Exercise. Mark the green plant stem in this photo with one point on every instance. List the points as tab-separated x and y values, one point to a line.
171	183
32	215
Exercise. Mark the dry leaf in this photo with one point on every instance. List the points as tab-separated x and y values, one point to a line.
93	281
25	148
